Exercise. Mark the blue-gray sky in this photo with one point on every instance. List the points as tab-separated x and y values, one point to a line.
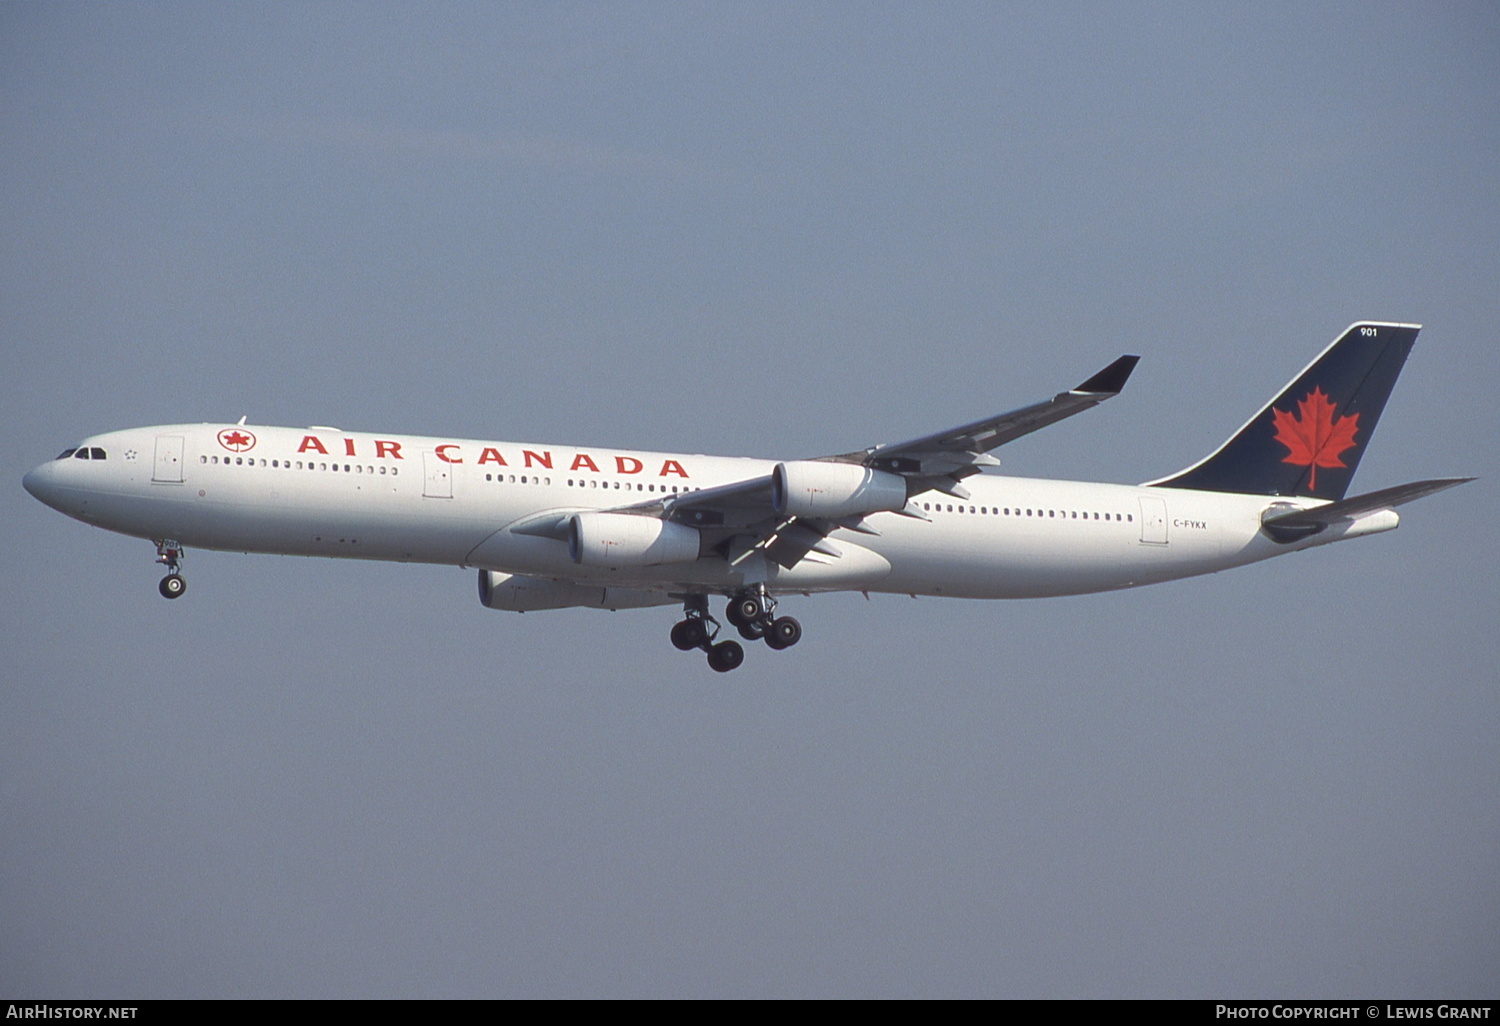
762	229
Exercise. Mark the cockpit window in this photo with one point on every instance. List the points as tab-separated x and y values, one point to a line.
81	454
66	453
96	453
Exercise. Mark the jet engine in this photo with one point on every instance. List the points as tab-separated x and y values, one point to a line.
808	488
624	540
520	594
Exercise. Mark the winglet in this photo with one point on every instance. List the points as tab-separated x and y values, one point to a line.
1111	380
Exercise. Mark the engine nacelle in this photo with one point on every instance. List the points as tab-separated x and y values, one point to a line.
808	488
624	540
518	593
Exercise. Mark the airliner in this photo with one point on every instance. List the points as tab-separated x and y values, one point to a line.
557	526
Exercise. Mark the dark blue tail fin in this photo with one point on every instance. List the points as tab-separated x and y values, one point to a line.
1309	439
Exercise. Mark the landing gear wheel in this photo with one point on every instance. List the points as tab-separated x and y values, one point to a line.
725	656
783	633
745	610
689	634
169	555
753	631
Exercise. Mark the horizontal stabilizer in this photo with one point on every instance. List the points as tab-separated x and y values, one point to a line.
1301	523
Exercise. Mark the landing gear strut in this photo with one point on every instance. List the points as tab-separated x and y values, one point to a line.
169	554
751	612
698	629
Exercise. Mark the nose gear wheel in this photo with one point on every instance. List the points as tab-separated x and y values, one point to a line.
169	554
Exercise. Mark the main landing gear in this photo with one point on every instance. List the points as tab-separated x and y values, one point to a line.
752	614
169	554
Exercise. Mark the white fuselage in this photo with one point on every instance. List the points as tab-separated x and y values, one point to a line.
325	492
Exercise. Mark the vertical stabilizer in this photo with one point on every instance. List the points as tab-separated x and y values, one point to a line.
1309	439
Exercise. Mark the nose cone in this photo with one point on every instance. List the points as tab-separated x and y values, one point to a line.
42	483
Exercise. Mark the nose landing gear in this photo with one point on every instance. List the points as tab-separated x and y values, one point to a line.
169	554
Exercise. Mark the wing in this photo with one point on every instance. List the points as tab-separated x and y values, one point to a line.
940	461
740	520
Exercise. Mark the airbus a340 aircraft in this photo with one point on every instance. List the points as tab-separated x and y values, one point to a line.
552	526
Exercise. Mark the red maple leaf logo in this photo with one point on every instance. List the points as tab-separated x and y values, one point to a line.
235	440
1315	437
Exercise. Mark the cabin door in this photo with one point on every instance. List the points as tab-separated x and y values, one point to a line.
1153	520
438	477
168	466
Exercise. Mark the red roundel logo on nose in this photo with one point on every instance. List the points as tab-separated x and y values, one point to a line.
236	439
